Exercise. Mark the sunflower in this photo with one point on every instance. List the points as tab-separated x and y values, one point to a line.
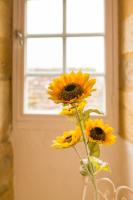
70	110
68	139
99	132
72	87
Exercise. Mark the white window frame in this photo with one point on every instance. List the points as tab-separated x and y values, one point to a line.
111	80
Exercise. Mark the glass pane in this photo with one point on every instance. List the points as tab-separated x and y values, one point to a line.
85	16
86	53
44	16
36	97
44	54
98	100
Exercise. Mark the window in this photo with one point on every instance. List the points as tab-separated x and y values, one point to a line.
56	36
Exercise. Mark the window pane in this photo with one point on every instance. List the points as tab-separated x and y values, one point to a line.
86	53
44	16
36	97
98	100
85	16
44	54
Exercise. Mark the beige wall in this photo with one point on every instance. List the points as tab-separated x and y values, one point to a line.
6	157
44	173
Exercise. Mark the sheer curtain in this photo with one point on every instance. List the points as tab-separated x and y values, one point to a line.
126	68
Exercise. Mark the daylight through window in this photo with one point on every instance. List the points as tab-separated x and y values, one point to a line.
60	36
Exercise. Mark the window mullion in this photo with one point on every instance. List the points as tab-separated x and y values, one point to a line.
28	74
64	36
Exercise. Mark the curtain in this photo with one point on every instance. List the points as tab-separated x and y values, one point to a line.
126	68
6	155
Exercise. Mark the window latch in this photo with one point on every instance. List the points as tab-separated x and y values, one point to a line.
20	38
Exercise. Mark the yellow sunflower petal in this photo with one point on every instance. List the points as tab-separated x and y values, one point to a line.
68	139
71	87
70	110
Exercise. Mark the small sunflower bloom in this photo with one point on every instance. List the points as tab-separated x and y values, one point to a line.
99	132
68	139
70	110
71	88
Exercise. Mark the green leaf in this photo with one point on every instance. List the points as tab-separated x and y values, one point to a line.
99	165
84	167
94	149
95	111
89	111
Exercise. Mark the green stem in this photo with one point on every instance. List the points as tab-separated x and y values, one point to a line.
84	138
82	130
92	177
79	156
77	152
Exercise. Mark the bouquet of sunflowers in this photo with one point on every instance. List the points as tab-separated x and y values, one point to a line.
72	90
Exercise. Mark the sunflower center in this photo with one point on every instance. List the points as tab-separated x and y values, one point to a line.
97	134
70	87
71	91
68	139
